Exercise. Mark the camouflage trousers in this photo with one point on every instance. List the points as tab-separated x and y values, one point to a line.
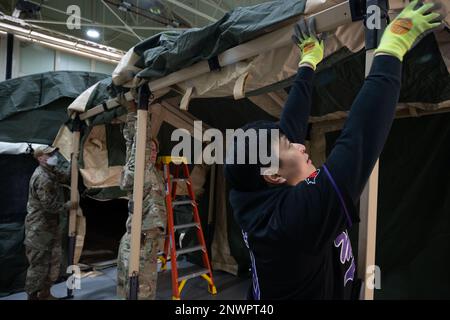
43	269
148	264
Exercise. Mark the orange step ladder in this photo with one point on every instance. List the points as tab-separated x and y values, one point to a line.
179	280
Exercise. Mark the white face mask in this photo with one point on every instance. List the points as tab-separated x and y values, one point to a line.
52	161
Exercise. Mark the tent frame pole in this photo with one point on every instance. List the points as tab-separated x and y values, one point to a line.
138	191
74	195
369	198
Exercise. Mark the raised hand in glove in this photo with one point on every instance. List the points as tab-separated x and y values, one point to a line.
414	22
311	46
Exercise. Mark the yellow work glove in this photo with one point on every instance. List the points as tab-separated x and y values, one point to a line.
311	46
414	22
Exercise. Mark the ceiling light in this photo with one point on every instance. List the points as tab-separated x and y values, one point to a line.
91	33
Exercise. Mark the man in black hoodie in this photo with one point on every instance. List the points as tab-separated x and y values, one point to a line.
295	221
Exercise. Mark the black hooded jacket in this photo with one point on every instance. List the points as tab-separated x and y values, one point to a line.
298	235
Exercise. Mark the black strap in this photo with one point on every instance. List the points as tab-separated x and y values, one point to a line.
214	63
76	123
105	106
145	94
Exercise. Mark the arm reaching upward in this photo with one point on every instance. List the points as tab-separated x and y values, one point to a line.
365	132
294	118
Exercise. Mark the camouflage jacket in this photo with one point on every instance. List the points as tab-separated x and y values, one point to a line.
153	204
45	204
154	209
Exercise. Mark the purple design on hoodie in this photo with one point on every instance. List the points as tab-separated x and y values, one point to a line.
346	255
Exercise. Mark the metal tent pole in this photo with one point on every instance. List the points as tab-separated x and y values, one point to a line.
138	191
74	196
368	202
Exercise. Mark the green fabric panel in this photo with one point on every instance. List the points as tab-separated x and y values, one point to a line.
34	107
116	145
107	117
413	224
101	93
167	52
13	262
36	126
104	91
38	90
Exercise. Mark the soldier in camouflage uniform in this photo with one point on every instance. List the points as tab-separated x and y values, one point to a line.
154	217
43	236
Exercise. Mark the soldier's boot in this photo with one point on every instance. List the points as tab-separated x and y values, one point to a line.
45	294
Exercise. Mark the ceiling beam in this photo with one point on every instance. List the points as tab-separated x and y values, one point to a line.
214	5
120	19
81	18
109	26
192	10
222	5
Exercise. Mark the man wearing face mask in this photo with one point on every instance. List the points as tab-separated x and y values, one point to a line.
42	224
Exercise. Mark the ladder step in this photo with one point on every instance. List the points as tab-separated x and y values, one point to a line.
189	249
179	203
193	273
185	226
172	200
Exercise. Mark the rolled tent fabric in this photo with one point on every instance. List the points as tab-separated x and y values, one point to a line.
172	51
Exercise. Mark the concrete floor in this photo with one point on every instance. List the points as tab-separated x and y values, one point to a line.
103	287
